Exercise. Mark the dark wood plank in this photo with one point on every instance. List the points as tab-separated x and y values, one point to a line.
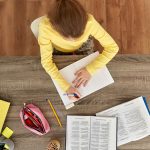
22	79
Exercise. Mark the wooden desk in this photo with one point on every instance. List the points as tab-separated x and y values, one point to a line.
22	79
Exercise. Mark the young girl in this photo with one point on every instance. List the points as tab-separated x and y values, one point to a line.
68	29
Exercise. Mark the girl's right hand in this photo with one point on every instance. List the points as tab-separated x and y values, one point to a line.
73	90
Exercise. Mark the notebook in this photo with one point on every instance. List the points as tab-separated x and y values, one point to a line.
91	133
4	106
133	120
101	79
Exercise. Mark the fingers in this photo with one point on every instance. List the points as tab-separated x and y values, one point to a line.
85	83
76	84
82	78
71	91
78	72
76	92
78	75
80	83
75	98
77	79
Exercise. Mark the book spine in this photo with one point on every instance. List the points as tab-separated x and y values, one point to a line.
145	102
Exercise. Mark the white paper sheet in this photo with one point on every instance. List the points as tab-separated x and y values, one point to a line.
101	79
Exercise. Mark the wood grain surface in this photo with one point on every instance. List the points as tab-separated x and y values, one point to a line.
127	21
22	79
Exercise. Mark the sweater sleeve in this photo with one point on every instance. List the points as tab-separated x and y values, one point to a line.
46	51
109	45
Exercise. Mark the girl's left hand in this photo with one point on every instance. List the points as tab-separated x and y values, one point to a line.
82	78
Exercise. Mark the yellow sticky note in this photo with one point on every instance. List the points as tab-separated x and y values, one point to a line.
4	106
7	132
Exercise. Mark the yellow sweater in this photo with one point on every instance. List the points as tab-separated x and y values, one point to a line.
49	38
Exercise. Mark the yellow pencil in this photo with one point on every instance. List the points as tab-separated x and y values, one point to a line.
57	118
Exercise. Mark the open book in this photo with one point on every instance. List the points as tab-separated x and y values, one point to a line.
133	120
91	133
98	81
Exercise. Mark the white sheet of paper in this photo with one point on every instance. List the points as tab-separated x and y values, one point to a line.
99	80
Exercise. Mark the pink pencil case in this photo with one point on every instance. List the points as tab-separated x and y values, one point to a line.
34	120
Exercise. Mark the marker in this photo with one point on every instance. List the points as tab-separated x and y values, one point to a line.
73	95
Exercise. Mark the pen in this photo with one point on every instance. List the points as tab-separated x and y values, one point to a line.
54	111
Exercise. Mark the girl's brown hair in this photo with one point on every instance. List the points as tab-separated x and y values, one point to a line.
68	17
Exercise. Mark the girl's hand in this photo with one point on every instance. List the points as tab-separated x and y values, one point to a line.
82	78
73	90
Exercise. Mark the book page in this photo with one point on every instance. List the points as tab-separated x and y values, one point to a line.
103	133
123	134
137	120
99	80
78	133
133	120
